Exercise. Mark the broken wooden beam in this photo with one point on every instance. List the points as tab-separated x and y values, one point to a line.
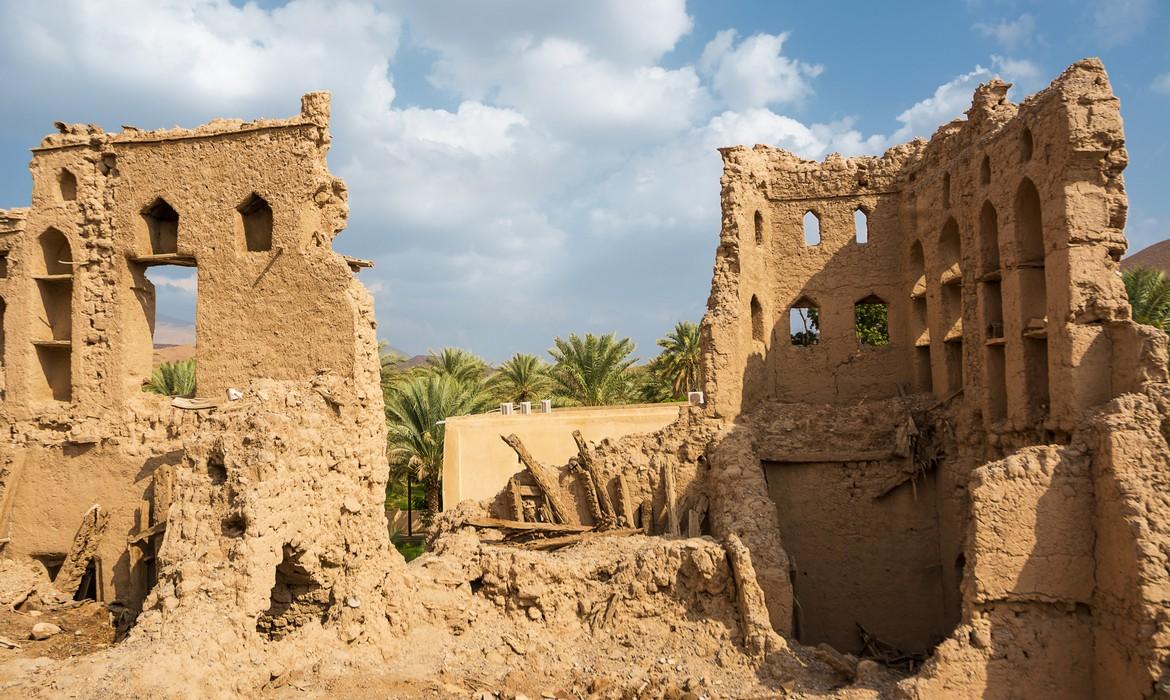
82	550
521	526
560	511
517	501
551	543
590	491
609	517
671	504
626	501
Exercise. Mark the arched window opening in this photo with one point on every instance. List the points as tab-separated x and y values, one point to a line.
804	322
812	229
759	228
918	293
871	321
162	225
919	318
946	190
950	252
1033	296
985	171
861	225
951	279
1029	224
989	238
56	254
53	272
1026	145
757	320
256	223
67	185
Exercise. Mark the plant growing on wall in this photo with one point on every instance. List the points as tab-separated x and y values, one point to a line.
173	379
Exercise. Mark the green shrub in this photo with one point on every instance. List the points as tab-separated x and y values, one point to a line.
173	379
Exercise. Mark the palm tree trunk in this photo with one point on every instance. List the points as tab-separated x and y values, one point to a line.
433	487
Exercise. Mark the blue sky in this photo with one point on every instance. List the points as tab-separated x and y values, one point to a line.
529	168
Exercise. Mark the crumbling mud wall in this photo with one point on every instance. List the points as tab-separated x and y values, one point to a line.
79	314
1010	501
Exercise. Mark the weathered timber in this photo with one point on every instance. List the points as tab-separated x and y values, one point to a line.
671	500
558	542
560	512
85	544
586	461
590	491
521	526
517	501
648	516
626	501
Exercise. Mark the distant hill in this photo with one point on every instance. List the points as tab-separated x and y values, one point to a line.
1156	256
172	353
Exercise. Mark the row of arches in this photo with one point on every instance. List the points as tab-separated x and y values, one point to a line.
812	227
1031	288
253	223
1026	148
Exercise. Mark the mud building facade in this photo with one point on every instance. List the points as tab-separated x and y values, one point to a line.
251	206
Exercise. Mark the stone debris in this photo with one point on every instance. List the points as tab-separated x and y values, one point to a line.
43	630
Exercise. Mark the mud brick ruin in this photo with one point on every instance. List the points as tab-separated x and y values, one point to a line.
975	503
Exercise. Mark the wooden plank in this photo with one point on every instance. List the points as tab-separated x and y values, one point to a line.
826	456
626	501
671	504
558	542
609	518
518	525
517	500
147	533
165	259
560	511
648	516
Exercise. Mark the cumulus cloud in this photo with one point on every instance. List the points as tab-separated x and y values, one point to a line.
1010	34
567	181
755	73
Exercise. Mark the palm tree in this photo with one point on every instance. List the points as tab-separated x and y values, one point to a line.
1149	296
523	377
679	361
591	371
173	379
416	407
458	364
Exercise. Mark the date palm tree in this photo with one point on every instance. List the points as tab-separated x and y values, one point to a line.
416	407
1149	296
678	364
591	371
523	377
458	364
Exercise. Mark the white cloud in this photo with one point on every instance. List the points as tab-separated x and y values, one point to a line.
755	73
1011	34
1162	84
1025	75
1118	21
572	184
186	283
949	101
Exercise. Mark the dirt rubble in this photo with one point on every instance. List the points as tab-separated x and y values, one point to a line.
976	507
